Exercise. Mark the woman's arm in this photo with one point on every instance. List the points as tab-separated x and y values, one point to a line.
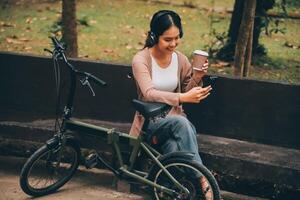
191	85
189	78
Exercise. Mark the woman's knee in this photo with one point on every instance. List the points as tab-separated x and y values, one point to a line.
179	120
180	124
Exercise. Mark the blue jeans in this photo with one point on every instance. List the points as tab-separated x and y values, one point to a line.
182	135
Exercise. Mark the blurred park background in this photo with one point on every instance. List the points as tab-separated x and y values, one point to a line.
114	30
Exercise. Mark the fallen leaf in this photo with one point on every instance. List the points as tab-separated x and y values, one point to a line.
144	35
93	21
130	27
83	56
27	48
108	50
138	47
288	44
28	20
24	39
4	24
12	41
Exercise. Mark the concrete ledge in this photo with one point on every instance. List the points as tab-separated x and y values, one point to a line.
256	169
239	166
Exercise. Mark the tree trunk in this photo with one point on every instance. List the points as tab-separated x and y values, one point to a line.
228	51
248	56
69	31
236	19
243	37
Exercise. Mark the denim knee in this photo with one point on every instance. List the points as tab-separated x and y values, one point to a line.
180	124
179	121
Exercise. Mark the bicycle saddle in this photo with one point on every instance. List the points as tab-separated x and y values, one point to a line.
150	109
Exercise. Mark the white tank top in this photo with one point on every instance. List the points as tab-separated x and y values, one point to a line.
165	79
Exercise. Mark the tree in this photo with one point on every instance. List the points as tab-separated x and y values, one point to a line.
69	31
228	51
243	50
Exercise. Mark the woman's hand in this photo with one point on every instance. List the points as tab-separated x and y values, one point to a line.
195	95
201	71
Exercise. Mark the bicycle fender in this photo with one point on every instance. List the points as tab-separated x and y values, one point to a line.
179	154
51	143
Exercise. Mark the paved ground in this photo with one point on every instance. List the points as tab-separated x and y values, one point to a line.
92	184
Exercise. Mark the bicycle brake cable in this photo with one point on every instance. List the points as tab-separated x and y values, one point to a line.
58	88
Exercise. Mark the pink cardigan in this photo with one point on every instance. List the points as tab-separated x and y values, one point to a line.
142	71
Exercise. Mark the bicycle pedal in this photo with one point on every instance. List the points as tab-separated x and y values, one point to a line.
91	161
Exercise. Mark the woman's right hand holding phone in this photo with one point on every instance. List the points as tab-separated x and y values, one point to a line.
195	95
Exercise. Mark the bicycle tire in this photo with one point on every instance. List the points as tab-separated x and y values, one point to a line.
191	182
46	165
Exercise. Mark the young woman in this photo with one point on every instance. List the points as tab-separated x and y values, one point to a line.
165	75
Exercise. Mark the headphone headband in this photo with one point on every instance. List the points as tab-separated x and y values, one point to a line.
160	14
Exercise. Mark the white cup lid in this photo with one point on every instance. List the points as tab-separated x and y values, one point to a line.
200	52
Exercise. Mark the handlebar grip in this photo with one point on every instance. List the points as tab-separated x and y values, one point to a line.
97	80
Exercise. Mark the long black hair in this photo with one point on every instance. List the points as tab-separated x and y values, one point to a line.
160	22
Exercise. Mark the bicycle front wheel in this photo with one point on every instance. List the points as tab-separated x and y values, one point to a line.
48	169
196	178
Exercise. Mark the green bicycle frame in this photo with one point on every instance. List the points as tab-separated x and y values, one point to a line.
114	138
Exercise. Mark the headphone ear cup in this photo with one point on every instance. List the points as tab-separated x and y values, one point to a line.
152	38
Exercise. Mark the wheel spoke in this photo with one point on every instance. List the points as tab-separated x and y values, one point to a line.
190	176
47	170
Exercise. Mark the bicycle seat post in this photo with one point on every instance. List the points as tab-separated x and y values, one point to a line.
143	132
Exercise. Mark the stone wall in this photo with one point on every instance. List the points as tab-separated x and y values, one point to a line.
257	111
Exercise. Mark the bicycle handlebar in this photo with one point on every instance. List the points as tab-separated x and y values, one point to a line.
97	80
58	48
92	78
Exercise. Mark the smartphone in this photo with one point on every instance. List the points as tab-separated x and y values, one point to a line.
209	80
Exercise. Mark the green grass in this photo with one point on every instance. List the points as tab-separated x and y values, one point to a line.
117	30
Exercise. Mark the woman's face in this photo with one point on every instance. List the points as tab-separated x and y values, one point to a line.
169	40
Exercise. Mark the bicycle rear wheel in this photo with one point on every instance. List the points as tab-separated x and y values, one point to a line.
189	174
48	169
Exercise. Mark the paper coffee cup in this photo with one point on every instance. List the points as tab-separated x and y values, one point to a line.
199	58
